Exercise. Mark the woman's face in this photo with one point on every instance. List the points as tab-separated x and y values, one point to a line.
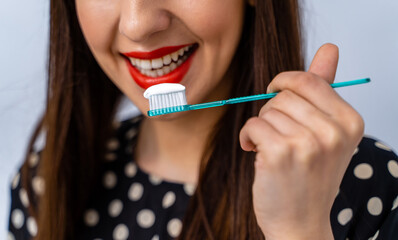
139	43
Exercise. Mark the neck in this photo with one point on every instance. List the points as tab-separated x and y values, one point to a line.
173	149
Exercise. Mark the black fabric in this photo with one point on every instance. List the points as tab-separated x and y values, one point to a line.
132	204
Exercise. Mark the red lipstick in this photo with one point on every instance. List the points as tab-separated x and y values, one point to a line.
174	76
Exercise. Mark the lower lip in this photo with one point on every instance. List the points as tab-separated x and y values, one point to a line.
174	76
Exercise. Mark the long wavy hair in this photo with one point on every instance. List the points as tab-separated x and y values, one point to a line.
82	101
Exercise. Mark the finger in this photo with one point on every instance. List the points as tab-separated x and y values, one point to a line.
281	122
324	63
257	133
302	112
310	87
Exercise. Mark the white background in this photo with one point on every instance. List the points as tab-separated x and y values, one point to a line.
366	32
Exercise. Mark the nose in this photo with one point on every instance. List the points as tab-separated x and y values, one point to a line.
140	19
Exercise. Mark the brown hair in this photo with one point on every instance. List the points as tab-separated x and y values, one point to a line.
81	103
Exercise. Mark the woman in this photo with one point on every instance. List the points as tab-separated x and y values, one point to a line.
185	175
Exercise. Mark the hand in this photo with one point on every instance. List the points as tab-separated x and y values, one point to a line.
304	139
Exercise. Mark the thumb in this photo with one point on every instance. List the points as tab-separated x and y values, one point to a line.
324	63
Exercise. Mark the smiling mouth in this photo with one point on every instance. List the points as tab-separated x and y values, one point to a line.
161	66
164	65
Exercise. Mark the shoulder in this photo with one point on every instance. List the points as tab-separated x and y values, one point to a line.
368	191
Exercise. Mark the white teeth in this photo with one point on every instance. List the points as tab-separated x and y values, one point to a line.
166	69
167	59
161	66
133	60
173	66
146	64
152	73
181	52
138	62
159	72
157	63
174	56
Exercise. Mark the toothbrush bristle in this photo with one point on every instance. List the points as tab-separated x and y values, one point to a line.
158	101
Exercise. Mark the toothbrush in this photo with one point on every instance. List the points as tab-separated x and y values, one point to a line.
168	98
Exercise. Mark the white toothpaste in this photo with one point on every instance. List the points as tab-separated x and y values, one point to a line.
165	95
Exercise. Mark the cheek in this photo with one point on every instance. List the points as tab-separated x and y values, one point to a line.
215	21
97	32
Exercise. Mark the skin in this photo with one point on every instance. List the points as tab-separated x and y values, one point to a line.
304	137
114	27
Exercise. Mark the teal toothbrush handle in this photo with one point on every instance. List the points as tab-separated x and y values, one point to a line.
239	100
266	96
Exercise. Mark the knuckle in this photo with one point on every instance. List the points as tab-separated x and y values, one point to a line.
280	79
279	100
249	125
356	125
333	137
251	121
268	114
264	108
307	80
285	95
308	148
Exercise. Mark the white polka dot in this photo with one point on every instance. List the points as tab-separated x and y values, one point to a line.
356	151
33	159
382	146
156	237
155	180
344	216
110	180
168	199
32	226
130	170
131	133
375	206
393	168
363	171
375	236
145	218
15	181
91	217
135	191
17	218
23	195
110	157
112	144
115	208
395	204
121	232
10	236
38	185
174	227
189	188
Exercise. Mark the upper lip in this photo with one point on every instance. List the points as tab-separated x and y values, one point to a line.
160	52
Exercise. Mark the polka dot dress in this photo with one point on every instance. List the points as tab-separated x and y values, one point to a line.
132	204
